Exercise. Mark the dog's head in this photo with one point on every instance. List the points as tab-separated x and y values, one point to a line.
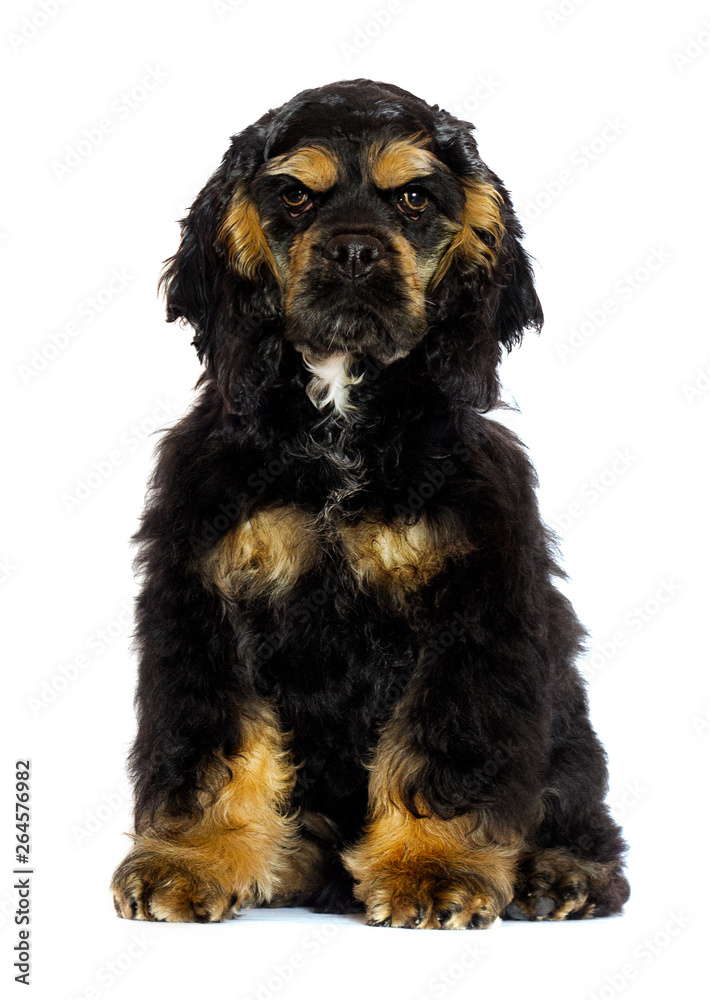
356	219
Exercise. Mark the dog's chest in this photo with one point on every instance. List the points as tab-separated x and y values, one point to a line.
267	554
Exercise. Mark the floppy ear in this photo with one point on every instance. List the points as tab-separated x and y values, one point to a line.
483	293
223	279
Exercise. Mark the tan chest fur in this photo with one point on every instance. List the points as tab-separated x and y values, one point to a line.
402	557
267	553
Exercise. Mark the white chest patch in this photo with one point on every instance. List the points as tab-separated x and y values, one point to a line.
331	381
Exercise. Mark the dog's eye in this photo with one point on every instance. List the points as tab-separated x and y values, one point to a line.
297	200
413	200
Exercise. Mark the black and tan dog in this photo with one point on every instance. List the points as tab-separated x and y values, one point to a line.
357	682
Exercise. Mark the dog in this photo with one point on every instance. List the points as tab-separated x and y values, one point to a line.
357	683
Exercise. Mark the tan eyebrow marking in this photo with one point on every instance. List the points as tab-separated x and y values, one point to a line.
314	166
399	161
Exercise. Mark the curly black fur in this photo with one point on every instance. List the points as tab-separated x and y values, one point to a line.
477	668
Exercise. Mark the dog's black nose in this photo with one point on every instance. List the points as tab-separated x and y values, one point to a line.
353	254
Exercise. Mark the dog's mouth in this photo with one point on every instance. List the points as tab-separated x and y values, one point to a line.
380	347
356	324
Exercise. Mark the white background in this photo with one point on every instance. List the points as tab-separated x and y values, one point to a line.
542	90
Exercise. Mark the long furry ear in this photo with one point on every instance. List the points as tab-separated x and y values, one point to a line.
191	277
483	294
509	302
222	279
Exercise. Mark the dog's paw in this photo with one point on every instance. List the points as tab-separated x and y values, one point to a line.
429	900
430	873
165	886
555	885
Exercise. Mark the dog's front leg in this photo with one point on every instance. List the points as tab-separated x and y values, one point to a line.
454	784
213	777
232	854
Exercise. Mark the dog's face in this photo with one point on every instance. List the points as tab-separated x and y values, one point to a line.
358	216
358	227
356	235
